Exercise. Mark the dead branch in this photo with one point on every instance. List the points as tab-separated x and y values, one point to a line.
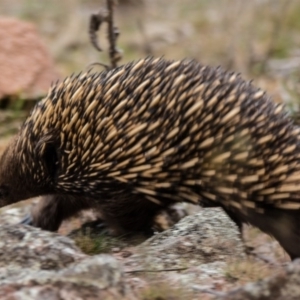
96	20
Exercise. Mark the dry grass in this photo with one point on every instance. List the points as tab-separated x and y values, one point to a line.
164	291
249	270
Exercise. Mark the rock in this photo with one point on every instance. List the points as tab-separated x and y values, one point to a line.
284	286
98	277
194	253
26	66
25	249
15	213
205	237
36	264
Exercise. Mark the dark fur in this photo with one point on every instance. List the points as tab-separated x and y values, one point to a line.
121	217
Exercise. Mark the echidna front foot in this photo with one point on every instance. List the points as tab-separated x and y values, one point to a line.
52	210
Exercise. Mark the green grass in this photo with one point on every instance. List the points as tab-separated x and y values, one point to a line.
92	244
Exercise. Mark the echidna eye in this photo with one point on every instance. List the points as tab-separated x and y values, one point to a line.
4	191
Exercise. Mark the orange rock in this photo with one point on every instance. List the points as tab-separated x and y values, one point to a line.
26	66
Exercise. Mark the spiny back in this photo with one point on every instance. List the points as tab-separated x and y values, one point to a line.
167	130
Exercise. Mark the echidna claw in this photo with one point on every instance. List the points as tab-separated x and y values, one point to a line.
27	220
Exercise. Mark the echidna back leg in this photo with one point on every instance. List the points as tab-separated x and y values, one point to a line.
130	215
52	210
283	225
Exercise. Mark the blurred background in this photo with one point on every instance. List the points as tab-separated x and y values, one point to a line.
258	38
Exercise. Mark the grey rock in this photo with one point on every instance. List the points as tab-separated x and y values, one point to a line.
24	248
36	264
193	254
205	237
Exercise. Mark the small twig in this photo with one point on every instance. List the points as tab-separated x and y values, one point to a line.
113	33
106	67
155	271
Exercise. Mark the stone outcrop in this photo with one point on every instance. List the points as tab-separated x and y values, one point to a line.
36	264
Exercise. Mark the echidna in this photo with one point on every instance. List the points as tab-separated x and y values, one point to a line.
136	139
